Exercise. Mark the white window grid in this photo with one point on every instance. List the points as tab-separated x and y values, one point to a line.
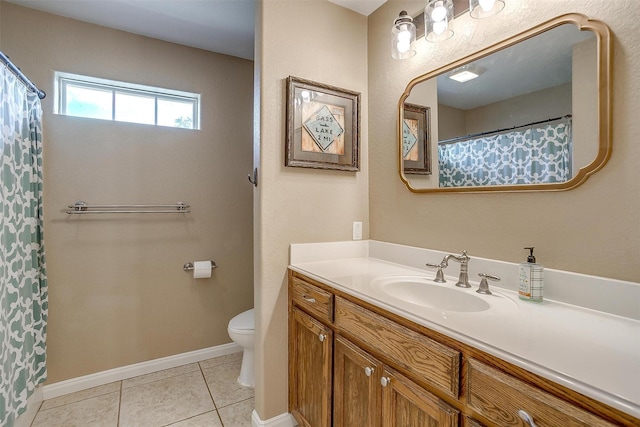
118	87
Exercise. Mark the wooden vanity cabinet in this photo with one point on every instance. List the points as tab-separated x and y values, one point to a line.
340	348
310	370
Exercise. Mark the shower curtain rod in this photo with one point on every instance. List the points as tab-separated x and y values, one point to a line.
475	135
15	70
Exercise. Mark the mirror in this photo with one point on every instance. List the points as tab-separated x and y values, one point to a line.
536	117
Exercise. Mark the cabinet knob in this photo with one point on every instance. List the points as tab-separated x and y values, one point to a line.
322	337
309	299
385	381
526	418
368	371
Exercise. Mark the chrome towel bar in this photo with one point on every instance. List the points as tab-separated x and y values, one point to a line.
84	208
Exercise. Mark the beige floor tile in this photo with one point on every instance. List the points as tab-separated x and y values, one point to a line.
238	414
221	360
101	411
165	401
159	375
80	395
223	384
210	419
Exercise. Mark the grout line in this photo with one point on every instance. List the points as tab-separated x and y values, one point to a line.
160	379
34	417
119	406
211	395
191	417
208	389
77	401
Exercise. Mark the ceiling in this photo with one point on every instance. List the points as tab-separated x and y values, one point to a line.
538	63
223	26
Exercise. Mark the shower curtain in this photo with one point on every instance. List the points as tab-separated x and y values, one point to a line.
540	154
23	280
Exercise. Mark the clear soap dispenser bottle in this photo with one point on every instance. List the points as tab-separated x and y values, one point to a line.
531	279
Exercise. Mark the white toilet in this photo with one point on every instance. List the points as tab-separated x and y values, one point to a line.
241	330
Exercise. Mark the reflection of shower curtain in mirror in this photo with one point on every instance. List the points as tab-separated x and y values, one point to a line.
23	281
541	154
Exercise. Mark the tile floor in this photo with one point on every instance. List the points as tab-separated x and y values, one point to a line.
194	395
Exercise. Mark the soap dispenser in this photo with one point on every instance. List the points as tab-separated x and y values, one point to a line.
531	279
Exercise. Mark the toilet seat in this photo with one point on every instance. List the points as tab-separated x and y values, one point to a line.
241	331
243	323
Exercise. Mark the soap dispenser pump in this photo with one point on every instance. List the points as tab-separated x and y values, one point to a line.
531	279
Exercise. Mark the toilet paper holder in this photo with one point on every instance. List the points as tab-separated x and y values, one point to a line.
188	266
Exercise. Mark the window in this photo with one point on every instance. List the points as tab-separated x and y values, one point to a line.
95	98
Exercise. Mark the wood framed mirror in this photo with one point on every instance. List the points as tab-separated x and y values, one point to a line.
536	118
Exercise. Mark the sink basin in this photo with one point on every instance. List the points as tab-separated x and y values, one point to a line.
424	292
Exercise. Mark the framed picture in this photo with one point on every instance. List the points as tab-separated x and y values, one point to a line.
323	126
416	140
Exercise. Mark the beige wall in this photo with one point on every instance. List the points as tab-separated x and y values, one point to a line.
519	110
319	41
118	294
593	229
451	122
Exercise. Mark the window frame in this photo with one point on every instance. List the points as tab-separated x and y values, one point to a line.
63	79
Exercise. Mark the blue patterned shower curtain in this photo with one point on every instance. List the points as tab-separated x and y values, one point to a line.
23	280
532	156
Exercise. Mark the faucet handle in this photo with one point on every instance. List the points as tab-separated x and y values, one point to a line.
484	285
439	275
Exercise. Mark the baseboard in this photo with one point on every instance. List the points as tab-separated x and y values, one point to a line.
33	404
118	374
282	420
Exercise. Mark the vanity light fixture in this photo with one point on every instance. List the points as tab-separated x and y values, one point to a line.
403	37
466	73
485	8
437	15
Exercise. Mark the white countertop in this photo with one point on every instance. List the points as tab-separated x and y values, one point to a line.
589	351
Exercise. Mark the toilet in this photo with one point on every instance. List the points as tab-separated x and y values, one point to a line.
241	330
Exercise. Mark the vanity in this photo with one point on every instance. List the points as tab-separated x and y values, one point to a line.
373	341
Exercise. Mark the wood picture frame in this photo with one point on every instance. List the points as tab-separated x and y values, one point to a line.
416	142
323	126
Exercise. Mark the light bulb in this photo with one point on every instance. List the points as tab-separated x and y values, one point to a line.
402	46
487	5
439	12
440	27
404	41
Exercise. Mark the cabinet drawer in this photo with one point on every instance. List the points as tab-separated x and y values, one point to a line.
405	348
498	397
313	299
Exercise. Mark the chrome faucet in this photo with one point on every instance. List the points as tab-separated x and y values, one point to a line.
463	280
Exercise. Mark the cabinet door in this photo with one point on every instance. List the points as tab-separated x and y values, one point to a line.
356	395
310	366
405	404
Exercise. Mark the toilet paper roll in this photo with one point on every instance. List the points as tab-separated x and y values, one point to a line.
201	269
